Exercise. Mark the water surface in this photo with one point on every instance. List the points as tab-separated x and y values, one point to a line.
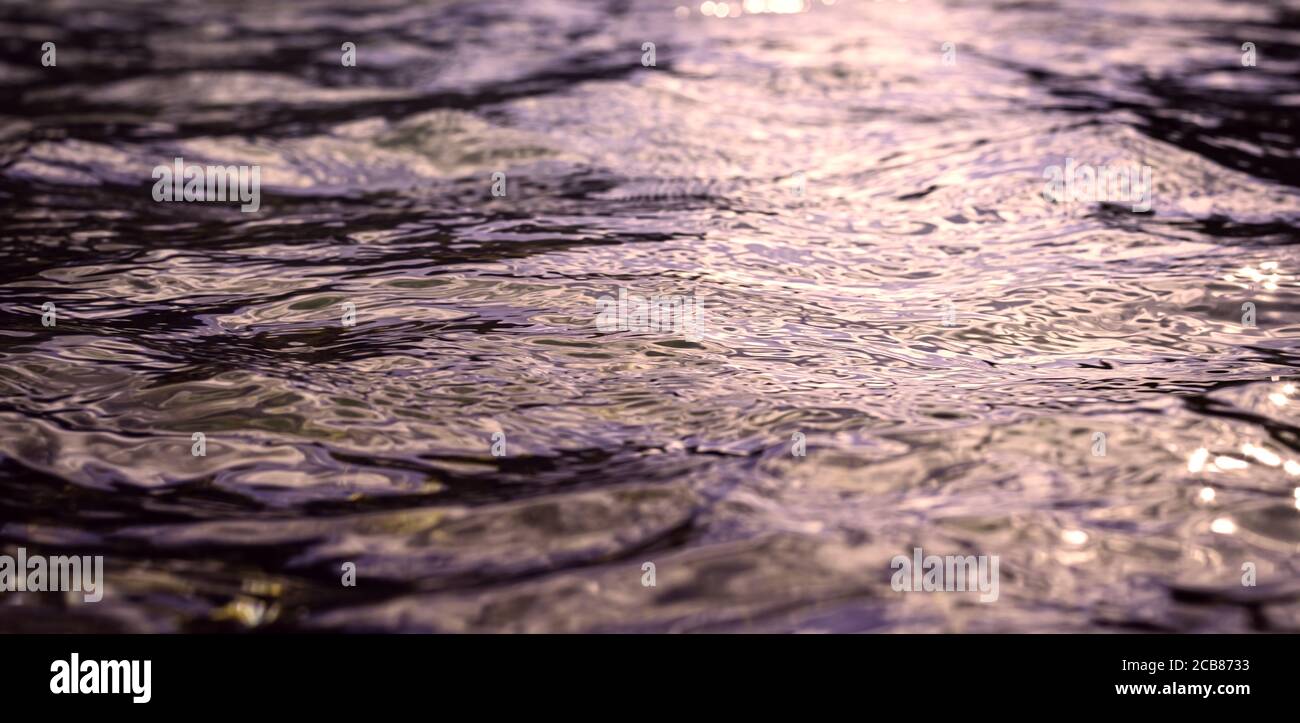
821	180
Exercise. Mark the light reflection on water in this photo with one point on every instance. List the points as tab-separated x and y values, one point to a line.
864	223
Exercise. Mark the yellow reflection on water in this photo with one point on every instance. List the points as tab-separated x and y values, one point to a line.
1074	537
1223	526
1265	275
1229	463
711	9
1262	454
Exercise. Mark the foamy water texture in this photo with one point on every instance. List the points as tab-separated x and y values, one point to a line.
860	212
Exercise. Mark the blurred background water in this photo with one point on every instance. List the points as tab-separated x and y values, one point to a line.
822	182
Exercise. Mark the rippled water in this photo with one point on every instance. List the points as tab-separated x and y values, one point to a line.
822	181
